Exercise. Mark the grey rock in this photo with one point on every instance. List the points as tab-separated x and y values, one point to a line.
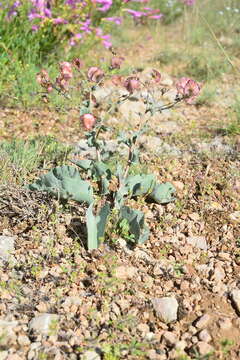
203	321
90	355
102	93
44	323
6	247
170	338
204	336
204	348
132	110
225	323
154	145
198	241
167	127
216	146
166	308
235	297
7	333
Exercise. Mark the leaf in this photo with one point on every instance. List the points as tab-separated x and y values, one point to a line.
139	185
92	240
137	226
83	164
64	182
163	193
96	225
103	174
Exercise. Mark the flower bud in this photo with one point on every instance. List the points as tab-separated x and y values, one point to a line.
88	121
77	63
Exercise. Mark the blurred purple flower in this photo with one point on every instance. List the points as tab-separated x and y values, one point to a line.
116	19
12	11
106	4
35	28
135	13
58	21
85	26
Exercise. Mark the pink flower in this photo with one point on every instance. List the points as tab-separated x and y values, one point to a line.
88	121
188	88
132	83
95	74
66	70
116	62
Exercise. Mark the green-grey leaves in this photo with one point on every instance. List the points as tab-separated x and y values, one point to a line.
137	227
163	193
96	225
64	182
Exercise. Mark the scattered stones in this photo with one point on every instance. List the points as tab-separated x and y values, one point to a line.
203	348
235	297
143	328
23	340
224	323
198	241
44	324
166	308
170	338
125	272
204	336
3	355
90	355
203	321
6	247
235	217
7	333
167	127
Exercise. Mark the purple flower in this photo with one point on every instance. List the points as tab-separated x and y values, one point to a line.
135	13
35	28
59	20
106	4
85	26
116	19
189	2
12	11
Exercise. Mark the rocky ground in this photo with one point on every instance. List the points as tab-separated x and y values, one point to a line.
175	297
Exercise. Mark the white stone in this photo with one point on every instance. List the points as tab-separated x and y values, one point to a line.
90	355
198	241
43	323
6	247
203	321
166	308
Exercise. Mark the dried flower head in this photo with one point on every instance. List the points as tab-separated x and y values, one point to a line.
116	62
156	75
77	63
66	70
43	78
132	83
95	74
